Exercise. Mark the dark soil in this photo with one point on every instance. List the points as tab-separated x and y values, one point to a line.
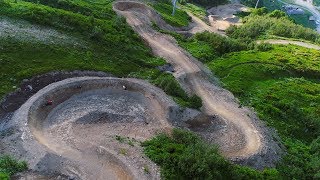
28	87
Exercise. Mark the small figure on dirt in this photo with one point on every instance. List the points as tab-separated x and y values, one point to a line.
49	102
124	87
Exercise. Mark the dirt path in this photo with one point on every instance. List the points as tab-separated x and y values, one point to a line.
285	42
240	138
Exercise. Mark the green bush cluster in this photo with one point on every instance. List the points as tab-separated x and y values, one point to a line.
184	155
170	85
10	166
208	46
275	23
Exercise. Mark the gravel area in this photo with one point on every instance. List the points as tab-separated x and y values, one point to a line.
23	31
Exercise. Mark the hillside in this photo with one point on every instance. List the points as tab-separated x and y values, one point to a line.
124	89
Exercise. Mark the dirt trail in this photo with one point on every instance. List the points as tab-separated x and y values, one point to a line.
285	42
240	138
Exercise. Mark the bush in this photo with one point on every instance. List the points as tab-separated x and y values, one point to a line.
184	155
275	23
10	166
221	45
171	86
4	176
264	47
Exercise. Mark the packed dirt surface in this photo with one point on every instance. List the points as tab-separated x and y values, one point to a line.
92	129
29	87
223	16
286	42
240	136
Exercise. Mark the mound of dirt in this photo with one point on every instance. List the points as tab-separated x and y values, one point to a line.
223	16
28	87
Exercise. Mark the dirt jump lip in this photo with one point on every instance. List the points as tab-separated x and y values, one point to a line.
42	135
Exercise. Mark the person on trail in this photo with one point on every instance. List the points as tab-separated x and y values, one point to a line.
124	87
49	102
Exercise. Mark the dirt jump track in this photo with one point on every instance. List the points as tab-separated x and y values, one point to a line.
241	138
80	134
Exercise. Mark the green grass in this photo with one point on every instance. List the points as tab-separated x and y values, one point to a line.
198	11
179	19
259	25
10	166
283	87
184	155
110	45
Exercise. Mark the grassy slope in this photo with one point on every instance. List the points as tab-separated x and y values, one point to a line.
179	19
282	85
112	46
10	166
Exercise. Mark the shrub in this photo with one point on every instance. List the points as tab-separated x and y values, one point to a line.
10	166
275	23
264	47
221	45
184	155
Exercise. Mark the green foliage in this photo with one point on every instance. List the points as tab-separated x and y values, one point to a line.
259	11
264	47
280	84
207	46
170	85
4	176
274	23
111	45
198	11
277	14
10	166
184	155
220	44
179	19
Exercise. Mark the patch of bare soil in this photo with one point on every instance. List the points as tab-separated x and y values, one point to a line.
28	87
223	16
